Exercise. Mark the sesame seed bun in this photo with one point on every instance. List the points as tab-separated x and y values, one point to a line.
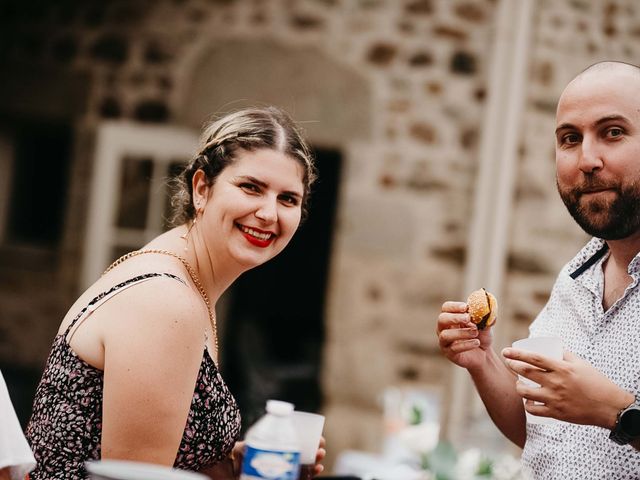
482	308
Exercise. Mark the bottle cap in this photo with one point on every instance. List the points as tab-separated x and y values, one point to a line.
280	408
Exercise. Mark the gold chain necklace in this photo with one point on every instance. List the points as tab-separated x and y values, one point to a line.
192	274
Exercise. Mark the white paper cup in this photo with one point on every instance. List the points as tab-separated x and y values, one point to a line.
126	470
308	429
549	347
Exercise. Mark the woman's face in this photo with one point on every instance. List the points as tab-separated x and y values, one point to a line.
254	206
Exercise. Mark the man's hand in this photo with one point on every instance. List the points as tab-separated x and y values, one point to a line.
459	338
571	389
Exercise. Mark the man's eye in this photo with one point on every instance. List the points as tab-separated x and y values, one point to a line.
570	139
614	132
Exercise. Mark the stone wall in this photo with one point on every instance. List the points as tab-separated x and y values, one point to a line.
419	72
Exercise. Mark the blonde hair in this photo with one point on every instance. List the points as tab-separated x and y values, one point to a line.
247	129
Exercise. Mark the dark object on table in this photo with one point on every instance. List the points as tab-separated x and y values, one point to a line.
338	477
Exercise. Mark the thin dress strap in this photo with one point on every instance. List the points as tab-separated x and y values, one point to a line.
104	296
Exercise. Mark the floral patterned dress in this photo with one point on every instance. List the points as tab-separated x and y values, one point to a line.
66	424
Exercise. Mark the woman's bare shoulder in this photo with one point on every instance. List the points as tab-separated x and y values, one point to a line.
162	310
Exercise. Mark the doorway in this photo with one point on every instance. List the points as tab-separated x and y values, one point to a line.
274	333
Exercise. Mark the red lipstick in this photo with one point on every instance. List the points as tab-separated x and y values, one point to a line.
250	234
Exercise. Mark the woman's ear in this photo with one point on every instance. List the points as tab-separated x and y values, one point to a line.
201	187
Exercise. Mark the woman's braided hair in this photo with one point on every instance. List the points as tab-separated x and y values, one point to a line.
249	129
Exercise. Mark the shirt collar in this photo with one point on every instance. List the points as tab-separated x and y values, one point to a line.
591	253
634	266
587	257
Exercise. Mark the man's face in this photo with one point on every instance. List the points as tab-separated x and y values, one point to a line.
598	152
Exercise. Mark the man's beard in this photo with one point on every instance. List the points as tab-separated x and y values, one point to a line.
603	218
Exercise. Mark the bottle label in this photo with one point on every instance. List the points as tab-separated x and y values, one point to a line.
259	464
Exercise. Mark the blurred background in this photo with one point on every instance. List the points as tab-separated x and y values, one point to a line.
432	122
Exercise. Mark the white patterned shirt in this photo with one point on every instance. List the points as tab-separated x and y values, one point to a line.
610	341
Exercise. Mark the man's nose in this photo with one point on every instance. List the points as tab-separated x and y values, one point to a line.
591	156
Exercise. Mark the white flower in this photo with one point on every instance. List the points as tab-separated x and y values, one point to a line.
421	438
507	468
467	465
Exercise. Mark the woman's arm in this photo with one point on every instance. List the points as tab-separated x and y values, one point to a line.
152	352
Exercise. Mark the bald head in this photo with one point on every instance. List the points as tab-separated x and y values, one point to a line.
610	66
603	76
606	69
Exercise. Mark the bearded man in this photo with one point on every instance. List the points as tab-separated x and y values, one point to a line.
594	306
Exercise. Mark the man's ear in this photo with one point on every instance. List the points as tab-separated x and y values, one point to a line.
201	188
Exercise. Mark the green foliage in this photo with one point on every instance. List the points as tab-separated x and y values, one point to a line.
415	415
441	461
485	468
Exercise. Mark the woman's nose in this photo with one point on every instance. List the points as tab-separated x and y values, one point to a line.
267	212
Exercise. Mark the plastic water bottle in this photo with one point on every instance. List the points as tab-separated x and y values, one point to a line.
272	450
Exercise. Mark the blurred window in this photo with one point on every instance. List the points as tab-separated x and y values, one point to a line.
274	323
34	171
129	197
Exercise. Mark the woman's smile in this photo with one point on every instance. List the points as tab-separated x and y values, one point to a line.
255	236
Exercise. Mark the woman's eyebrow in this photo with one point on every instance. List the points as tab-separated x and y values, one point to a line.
260	183
249	178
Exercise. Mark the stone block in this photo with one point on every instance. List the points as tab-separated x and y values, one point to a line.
419	7
351	427
112	48
154	111
358	366
378	227
463	63
423	132
470	11
381	54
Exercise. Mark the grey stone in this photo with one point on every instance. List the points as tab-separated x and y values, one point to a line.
381	54
154	111
378	227
463	63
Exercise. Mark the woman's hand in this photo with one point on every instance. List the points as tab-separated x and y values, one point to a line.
237	455
320	454
230	468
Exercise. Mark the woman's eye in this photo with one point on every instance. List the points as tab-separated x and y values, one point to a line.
289	200
250	187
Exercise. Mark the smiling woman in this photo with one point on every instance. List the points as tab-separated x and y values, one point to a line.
255	202
133	372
